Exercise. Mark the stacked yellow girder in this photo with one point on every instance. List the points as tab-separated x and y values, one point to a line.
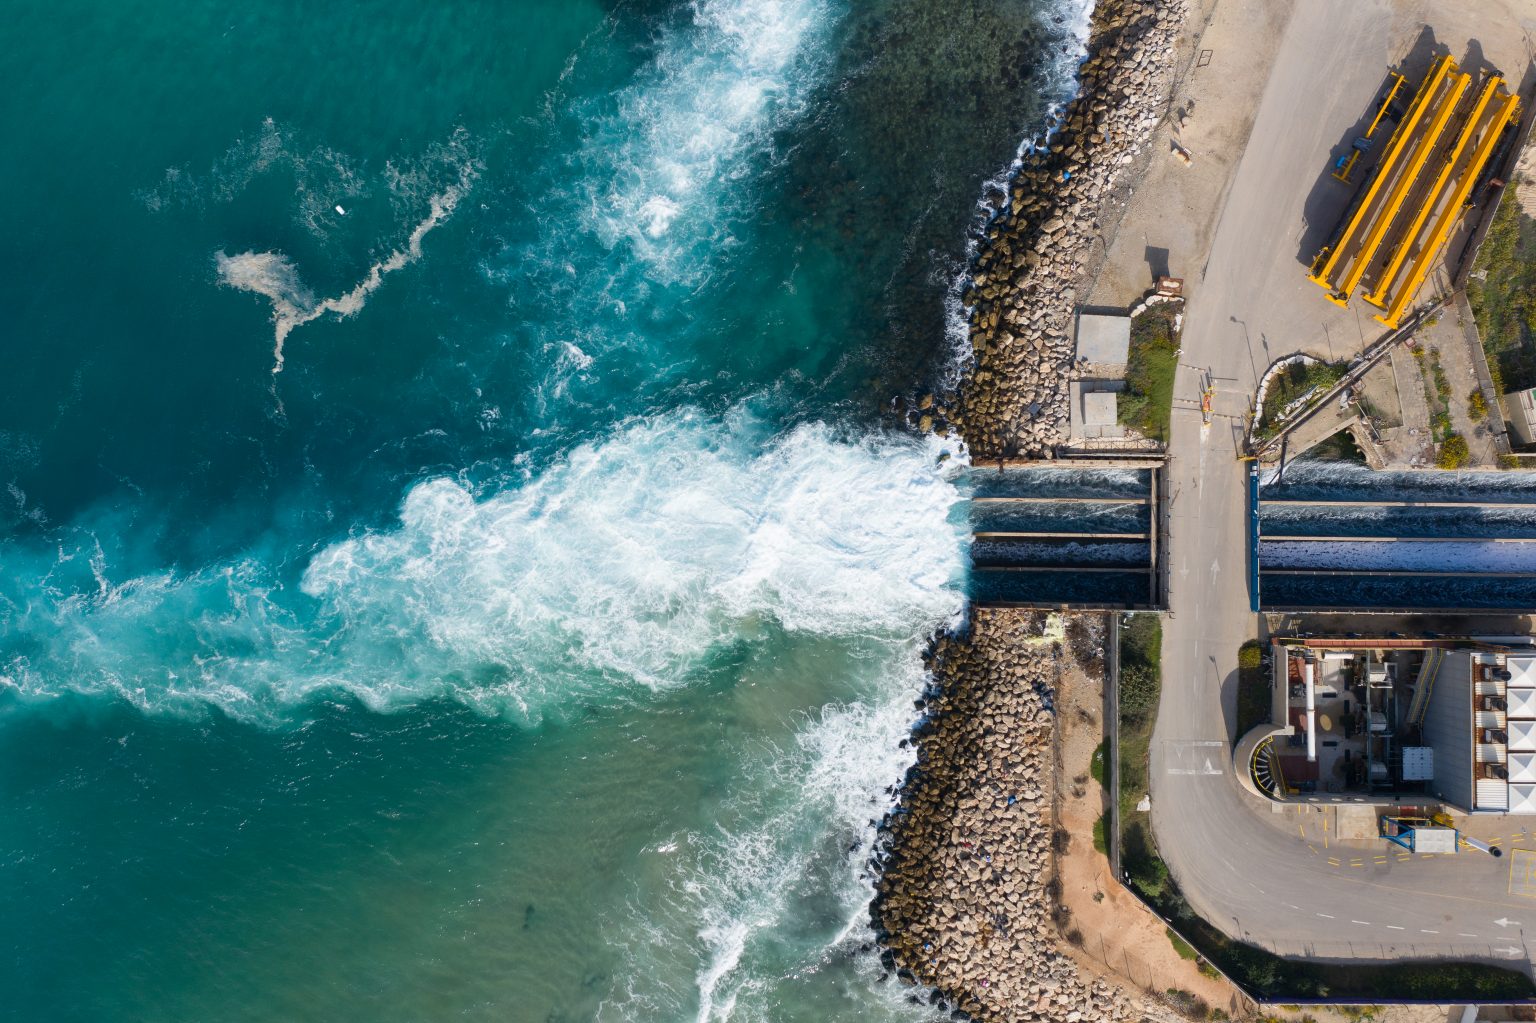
1339	266
1414	198
1423	242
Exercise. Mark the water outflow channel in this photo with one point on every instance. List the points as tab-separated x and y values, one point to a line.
1346	538
1066	534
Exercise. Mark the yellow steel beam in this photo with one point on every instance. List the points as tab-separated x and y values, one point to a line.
1400	136
1391	95
1378	297
1400	189
1509	109
1344	172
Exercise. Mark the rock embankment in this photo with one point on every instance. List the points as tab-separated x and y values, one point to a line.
1013	399
964	902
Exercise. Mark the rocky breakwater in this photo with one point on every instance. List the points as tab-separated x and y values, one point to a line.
964	904
1012	400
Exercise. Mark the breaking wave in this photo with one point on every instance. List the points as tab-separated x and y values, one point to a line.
622	569
779	890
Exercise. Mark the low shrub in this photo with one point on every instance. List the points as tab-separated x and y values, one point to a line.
1454	452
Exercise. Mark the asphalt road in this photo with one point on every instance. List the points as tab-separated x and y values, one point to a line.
1255	880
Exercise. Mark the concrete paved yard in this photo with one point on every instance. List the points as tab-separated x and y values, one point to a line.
1249	304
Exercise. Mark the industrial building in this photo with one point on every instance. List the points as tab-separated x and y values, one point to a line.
1411	200
1392	720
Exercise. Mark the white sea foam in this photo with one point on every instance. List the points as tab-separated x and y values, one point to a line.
661	167
1399	555
779	890
618	571
273	275
634	559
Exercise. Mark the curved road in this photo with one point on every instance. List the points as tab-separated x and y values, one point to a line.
1252	878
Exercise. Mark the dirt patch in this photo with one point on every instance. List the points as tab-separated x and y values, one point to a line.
1117	934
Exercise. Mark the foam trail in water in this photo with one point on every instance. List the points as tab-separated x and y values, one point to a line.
621	570
779	890
273	275
662	168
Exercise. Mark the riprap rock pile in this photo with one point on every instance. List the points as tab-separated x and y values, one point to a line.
1013	399
963	903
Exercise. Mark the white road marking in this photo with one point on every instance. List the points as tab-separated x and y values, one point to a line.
1199	757
1426	930
1510	951
1394	927
1504	921
1362	923
1325	916
1464	934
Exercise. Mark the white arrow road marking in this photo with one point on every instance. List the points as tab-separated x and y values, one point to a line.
1195	757
1511	951
1506	922
1184	569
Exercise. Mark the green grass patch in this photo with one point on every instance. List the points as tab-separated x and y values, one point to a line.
1141	654
1253	695
1182	947
1147	400
1141	641
1437	393
1101	834
1502	293
1437	371
1096	765
1309	380
1477	405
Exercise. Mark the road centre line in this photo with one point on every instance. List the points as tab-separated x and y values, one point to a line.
1394	927
1362	923
1325	916
1426	930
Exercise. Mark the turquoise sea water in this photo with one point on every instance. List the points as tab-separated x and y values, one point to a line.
539	642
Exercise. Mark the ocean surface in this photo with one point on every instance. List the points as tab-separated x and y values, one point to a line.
458	556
